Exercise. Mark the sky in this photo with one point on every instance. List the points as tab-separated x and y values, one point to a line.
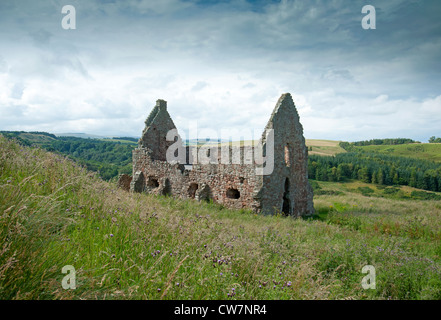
222	65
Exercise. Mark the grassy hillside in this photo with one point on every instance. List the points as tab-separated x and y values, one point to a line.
108	157
315	146
323	147
131	246
30	137
424	151
35	138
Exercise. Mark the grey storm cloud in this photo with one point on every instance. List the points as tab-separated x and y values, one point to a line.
230	60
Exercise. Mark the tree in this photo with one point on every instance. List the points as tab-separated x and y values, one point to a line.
340	172
363	175
413	178
434	139
380	176
332	174
374	177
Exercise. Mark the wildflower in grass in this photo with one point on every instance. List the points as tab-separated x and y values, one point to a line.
260	286
221	274
288	284
159	290
177	283
111	235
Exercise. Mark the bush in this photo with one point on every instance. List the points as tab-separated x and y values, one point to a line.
422	195
366	191
391	190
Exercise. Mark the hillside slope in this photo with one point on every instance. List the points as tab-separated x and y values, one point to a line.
323	147
424	151
131	246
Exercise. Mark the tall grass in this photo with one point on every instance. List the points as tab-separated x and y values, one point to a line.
132	246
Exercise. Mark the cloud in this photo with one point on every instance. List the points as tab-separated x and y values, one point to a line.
224	63
17	91
41	37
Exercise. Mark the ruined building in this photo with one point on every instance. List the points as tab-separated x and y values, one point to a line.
271	177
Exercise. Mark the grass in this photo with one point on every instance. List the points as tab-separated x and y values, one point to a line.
324	147
132	246
424	151
119	140
374	190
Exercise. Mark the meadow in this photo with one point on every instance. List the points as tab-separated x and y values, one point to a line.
423	151
53	213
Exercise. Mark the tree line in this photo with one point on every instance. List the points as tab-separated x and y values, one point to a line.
434	139
376	168
108	158
349	146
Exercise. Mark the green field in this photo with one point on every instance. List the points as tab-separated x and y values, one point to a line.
323	147
134	246
119	140
424	151
315	146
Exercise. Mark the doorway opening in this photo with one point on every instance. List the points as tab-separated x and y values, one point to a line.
286	206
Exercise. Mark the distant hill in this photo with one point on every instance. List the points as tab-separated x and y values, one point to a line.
82	135
107	156
323	147
28	138
424	151
315	146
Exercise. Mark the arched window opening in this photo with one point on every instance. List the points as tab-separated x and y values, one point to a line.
233	193
287	155
152	182
192	190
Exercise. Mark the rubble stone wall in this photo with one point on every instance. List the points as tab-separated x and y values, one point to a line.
202	173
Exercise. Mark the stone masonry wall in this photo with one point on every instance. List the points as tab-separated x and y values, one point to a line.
231	185
286	189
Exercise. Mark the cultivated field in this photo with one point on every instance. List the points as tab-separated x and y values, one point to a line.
323	147
315	146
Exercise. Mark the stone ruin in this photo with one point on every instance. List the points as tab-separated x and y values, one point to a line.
235	184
